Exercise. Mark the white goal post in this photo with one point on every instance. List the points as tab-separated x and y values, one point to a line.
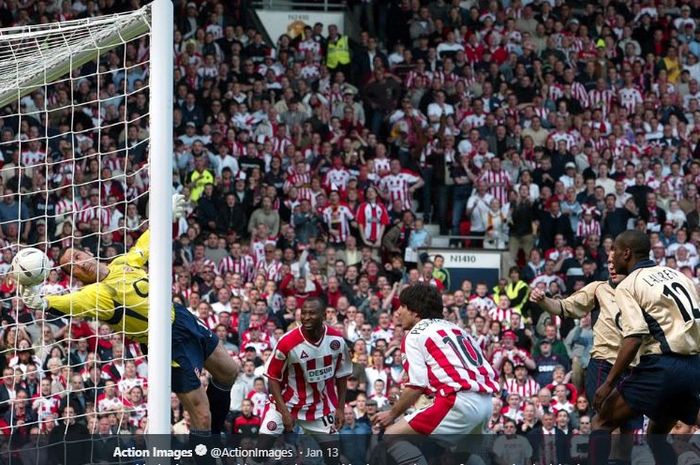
160	279
35	57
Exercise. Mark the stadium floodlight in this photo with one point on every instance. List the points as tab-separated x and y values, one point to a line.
86	105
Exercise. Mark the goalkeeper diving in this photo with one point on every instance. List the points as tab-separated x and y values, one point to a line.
117	294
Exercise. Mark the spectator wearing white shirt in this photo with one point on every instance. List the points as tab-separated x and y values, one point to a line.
608	184
377	374
222	305
379	396
450	47
682	240
693	93
223	160
684	259
569	176
561	401
693	65
478	207
190	135
439	108
680	22
675	215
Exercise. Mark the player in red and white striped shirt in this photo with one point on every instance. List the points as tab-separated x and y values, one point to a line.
588	225
337	218
577	89
238	263
630	97
561	134
418	74
95	211
33	154
523	384
269	266
309	45
44	403
497	180
280	142
372	218
503	312
440	359
307	377
601	97
400	185
481	300
298	177
67	205
336	178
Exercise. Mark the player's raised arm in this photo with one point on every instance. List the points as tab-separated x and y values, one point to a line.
576	305
139	253
89	301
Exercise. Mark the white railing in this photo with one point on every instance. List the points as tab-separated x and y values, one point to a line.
322	5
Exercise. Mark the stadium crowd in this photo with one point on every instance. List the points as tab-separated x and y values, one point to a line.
311	166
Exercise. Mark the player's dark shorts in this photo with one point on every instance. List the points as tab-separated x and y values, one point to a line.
192	344
664	387
596	374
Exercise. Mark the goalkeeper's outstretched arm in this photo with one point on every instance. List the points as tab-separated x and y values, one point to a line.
93	300
88	302
138	254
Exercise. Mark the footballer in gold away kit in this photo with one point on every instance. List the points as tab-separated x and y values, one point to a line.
660	321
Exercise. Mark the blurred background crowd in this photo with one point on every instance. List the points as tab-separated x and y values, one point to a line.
322	163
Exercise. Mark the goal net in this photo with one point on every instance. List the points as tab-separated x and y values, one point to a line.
78	114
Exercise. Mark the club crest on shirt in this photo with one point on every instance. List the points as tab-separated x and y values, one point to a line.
271	425
335	345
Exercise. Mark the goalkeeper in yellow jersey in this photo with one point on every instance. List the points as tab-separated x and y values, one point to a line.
117	294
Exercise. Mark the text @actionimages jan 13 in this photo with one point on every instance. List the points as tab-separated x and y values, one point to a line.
348	449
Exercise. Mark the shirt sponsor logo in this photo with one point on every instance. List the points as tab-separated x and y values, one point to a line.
319	374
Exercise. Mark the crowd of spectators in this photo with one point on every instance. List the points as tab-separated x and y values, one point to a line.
312	164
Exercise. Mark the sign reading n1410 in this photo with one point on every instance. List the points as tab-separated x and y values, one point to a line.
461	258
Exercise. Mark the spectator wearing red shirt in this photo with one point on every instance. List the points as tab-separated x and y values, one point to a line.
255	338
333	292
512	353
298	289
246	424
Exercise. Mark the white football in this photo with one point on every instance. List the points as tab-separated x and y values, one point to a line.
30	266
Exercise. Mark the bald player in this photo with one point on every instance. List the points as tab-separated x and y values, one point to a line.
116	293
660	321
598	300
